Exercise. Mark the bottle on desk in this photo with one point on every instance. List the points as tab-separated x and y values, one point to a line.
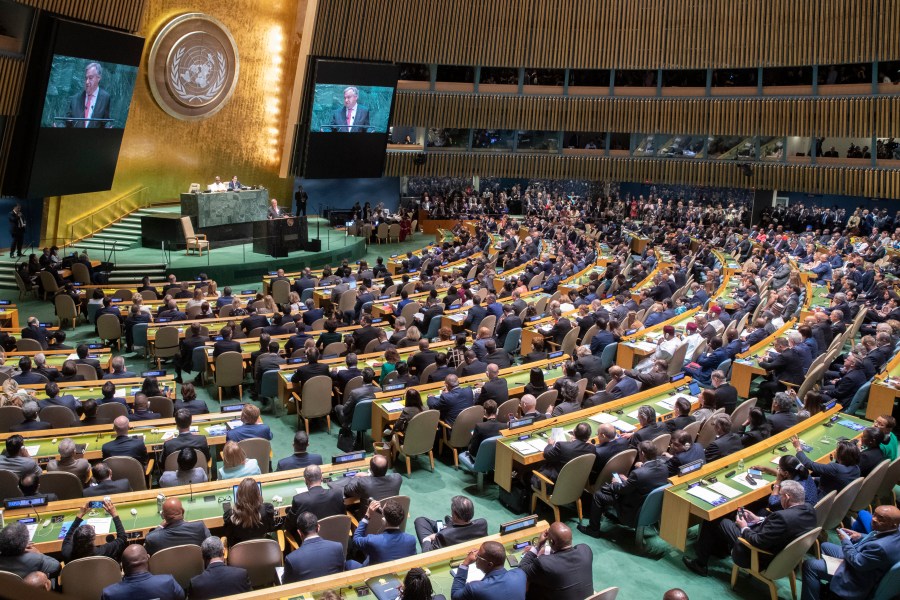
740	466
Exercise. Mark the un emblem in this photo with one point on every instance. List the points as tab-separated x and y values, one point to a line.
193	66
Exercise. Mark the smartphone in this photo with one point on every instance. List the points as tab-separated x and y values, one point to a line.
226	506
95	504
755	472
512	560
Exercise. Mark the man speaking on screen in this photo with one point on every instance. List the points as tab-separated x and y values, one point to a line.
92	103
353	117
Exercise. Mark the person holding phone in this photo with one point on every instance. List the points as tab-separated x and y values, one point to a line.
80	537
789	469
557	569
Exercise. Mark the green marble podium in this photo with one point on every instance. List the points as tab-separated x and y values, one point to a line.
215	209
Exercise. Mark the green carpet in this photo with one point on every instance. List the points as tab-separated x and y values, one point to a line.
617	562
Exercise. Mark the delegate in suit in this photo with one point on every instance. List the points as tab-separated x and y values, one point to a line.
565	573
316	556
92	103
497	584
353	117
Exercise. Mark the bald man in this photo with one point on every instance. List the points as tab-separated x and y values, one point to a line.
138	582
124	445
866	559
565	573
174	530
675	594
497	584
39	580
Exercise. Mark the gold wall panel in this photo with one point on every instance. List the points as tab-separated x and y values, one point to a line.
166	155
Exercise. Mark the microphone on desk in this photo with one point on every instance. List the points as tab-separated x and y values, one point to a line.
191	486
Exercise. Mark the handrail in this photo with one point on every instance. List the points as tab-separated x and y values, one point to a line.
122	206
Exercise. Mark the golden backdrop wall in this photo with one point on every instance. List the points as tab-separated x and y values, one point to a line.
161	156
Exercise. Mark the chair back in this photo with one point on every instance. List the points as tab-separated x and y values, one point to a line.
353	384
823	507
268	386
426	372
347	301
433	326
582	384
569	341
572	479
461	431
281	291
23	287
48	282
812	380
112	410
842	503
162	405
651	509
229	369
126	467
192	312
65	308
382	231
139	334
66	486
58	416
707	431
510	407
487	453
9	416
376	525
89	372
607	594
725	366
891	478
490	322
887	588
316	397
511	343
608	356
784	563
370	346
409	310
334	348
187	227
859	398
9	485
620	463
700	349
740	414
419	436
336	528
125	294
869	489
589	334
181	562
28	345
259	449
109	327
662	442
362	416
536	280
171	462
167	342
89	576
541	305
676	363
693	429
394	231
546	400
149	295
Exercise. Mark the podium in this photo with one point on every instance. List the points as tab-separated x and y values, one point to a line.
278	237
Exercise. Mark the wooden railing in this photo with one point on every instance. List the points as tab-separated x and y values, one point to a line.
107	214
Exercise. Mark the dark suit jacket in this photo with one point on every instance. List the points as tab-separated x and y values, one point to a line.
319	501
339	120
726	397
316	557
225	346
606	451
787	366
782	421
186	440
298	461
648	433
476	368
557	455
108	488
144	585
420	360
101	110
695	452
494	389
832	476
176	534
564	575
508	324
499	357
126	446
456	534
452	403
32	425
723	446
308	371
483	431
219	580
778	530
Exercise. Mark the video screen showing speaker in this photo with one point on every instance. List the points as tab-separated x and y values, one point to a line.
75	105
348	118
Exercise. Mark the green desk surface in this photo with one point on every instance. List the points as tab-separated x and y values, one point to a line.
623	412
822	439
819	296
727	296
584	278
760	354
57	360
202	504
84	393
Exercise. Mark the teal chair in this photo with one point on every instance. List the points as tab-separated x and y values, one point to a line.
511	343
199	362
651	512
307	294
92	311
139	335
890	583
860	398
433	327
362	421
268	388
608	356
483	461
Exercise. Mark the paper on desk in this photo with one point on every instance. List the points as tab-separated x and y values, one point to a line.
602	418
741	478
523	448
538	443
33	450
300	490
669	403
393	406
725	490
167	434
777	459
100	525
558	434
644	346
623	426
32	529
234	423
706	495
634	414
474	574
458	317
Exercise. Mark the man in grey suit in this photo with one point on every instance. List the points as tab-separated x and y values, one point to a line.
377	485
354	117
175	531
459	527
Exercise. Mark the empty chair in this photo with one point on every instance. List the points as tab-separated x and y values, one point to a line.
362	420
260	558
418	438
89	372
28	345
546	400
650	513
885	493
259	449
458	435
334	348
568	487
315	401
109	328
65	485
869	488
65	309
85	578
483	462
841	505
783	564
193	241
125	467
511	343
508	410
230	372
181	562
48	282
281	291
58	416
112	410
9	484
167	344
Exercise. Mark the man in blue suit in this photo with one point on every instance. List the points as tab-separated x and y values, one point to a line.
139	582
497	584
867	557
391	544
453	400
316	556
218	579
300	458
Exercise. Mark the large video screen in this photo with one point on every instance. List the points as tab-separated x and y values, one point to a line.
79	85
349	116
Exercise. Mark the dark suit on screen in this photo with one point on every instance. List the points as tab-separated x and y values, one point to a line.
101	110
339	120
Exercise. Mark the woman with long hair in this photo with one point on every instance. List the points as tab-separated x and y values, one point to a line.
789	467
81	538
249	518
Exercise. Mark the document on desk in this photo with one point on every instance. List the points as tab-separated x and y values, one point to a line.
558	434
603	418
33	450
523	448
644	346
634	414
538	443
100	525
707	495
623	426
725	490
395	406
458	317
741	478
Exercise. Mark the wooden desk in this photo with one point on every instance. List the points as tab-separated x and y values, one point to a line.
746	365
883	395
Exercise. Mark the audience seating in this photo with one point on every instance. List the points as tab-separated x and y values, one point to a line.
260	558
259	449
125	467
88	576
784	564
483	462
65	485
649	515
337	529
568	486
458	435
418	438
181	562
314	401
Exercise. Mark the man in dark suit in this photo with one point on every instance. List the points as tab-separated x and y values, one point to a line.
91	103
453	400
185	439
41	368
726	441
472	365
353	117
31	423
494	388
488	428
587	364
684	451
627	495
726	394
54	399
510	321
274	211
124	445
341	378
34	331
442	369
496	356
172	312
312	368
377	485
253	320
566	573
365	334
560	328
226	344
497	584
300	458
391	543
218	579
609	443
105	486
682	416
852	377
344	412
457	528
135	316
119	370
142	410
771	534
527	407
421	359
316	556
475	315
175	531
782	417
138	582
786	365
557	454
26	376
316	499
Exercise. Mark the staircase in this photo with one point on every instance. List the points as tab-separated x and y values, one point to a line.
121	235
